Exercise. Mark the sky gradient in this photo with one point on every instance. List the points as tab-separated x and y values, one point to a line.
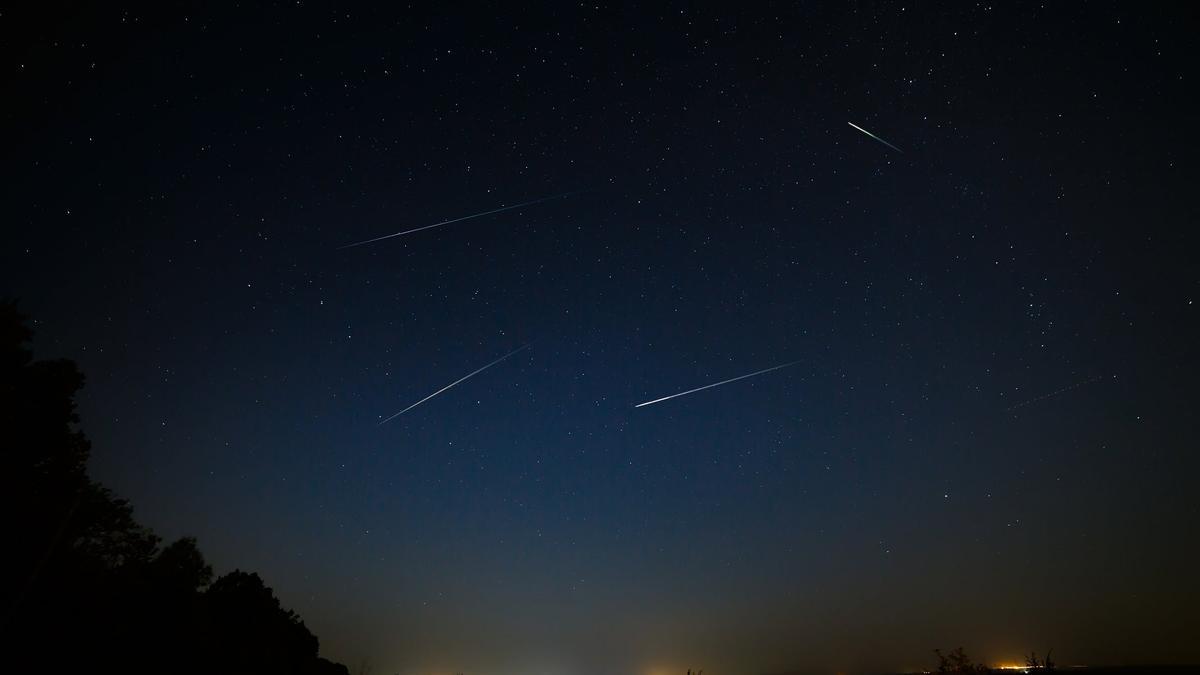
987	438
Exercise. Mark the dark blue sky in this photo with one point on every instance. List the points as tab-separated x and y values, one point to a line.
986	441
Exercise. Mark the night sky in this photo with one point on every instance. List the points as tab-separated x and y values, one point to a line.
987	438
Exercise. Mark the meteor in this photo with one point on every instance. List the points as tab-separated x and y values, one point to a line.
457	220
875	137
1057	392
465	377
715	384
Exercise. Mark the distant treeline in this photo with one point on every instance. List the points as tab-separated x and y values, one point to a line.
86	588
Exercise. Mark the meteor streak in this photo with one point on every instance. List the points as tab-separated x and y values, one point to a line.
1052	394
875	137
465	377
715	384
456	220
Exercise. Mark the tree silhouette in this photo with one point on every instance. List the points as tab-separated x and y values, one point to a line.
1032	661
88	586
42	457
958	662
250	627
181	566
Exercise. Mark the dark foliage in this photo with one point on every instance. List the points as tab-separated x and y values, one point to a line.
958	662
1032	661
86	588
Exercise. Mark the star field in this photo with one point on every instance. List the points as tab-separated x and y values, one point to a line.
985	439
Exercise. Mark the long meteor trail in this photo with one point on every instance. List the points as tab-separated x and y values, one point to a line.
715	384
465	377
875	137
457	220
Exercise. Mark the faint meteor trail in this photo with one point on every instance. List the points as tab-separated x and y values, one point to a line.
715	384
1052	394
875	137
465	377
458	220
